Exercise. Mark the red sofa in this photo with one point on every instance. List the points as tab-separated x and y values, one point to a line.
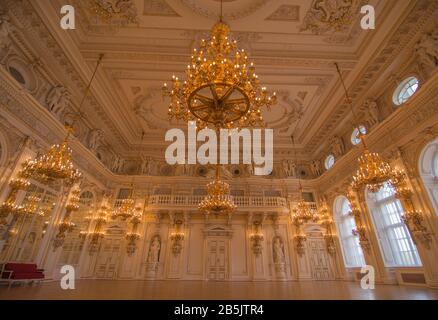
21	271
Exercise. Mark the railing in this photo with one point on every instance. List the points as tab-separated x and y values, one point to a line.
240	201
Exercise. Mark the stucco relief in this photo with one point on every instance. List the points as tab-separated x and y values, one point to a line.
371	113
337	146
426	52
330	15
149	108
58	100
6	29
285	114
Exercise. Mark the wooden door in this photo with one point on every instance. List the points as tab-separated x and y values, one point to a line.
217	259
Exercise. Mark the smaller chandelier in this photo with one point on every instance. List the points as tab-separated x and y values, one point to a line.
55	164
302	213
126	209
218	199
373	171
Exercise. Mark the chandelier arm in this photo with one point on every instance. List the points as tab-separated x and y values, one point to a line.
200	107
235	101
204	99
213	91
227	94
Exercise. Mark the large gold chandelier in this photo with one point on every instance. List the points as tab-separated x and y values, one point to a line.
373	171
222	89
218	198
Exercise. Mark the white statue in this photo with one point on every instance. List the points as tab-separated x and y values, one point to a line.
145	165
250	169
5	30
152	166
154	250
426	50
289	168
117	164
278	252
95	139
315	166
292	168
371	112
337	146
187	169
57	100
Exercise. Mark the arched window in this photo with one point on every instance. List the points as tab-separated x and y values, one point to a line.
395	241
329	161
355	138
352	252
428	168
405	90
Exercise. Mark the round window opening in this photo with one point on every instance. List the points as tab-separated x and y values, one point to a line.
329	161
17	75
355	136
405	90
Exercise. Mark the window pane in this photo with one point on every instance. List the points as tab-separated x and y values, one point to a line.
352	252
395	240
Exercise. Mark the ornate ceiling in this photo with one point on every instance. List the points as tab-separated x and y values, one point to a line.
294	44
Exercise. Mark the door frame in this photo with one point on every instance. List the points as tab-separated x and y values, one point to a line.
217	232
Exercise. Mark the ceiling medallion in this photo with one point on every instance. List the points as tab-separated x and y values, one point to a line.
221	91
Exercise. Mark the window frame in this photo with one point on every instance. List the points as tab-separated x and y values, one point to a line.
398	99
326	161
347	239
393	236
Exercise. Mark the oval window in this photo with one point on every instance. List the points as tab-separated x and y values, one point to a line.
405	90
329	161
355	137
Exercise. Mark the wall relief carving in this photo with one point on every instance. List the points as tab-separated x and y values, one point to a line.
330	15
426	52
